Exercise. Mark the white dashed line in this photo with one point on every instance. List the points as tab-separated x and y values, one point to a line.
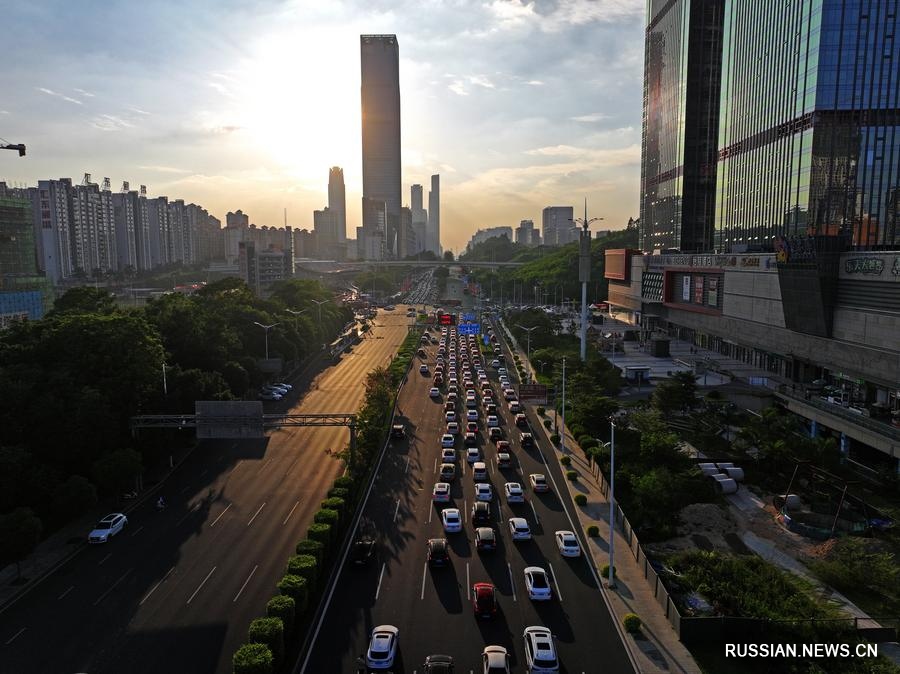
100	563
255	514
468	583
397	510
112	587
201	585
65	593
15	636
380	576
147	596
137	531
553	575
245	584
184	489
424	572
290	513
406	470
220	515
537	520
430	513
187	514
264	466
512	583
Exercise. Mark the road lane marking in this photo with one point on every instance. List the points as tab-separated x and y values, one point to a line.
184	489
201	585
220	515
464	466
162	580
465	507
15	636
263	466
100	563
65	593
407	465
188	514
397	510
380	576
468	583
512	583
553	575
255	514
290	513
236	466
435	466
112	587
137	531
245	583
430	513
537	520
203	472
424	572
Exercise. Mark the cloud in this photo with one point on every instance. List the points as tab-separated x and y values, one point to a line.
4	112
446	168
458	88
481	81
83	92
50	92
164	169
138	110
535	83
593	117
556	151
518	14
221	88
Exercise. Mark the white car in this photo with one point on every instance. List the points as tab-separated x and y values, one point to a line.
519	529
538	482
452	520
514	493
447	440
537	583
501	370
448	455
108	527
434	392
540	653
281	384
495	660
441	492
473	455
492	421
509	394
515	406
452	427
471	415
567	544
270	395
382	647
483	492
495	364
450	416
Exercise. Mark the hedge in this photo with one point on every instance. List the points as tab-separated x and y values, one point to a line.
565	460
572	475
604	571
547	424
554	438
339	492
580	499
327	516
297	588
541	410
268	631
334	503
283	607
344	481
305	566
593	531
314	548
631	622
586	442
252	659
320	532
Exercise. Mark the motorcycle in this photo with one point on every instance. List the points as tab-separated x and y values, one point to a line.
160	504
129	495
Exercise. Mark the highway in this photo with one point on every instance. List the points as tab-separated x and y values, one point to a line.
176	591
432	606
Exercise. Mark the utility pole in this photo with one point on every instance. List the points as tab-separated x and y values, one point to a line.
584	273
562	428
612	500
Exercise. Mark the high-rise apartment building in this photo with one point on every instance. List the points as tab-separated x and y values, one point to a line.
380	98
53	223
557	225
158	226
489	233
419	218
525	233
337	201
433	230
123	215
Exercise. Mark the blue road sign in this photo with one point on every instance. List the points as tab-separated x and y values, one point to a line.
471	318
469	329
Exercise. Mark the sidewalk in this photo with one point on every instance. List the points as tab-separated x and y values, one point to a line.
656	648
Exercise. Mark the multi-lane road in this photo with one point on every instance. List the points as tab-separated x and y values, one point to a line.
432	606
176	591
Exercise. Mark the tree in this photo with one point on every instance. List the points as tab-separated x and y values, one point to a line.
448	256
76	496
117	470
84	300
20	532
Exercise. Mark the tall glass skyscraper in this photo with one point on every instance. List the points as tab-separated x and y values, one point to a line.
380	98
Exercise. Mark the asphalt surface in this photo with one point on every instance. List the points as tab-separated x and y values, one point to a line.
432	607
177	589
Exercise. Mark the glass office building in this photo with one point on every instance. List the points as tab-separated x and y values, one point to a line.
809	124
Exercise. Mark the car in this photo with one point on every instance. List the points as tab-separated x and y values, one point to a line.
503	446
495	433
538	482
453	428
473	455
282	384
438	553
447	440
437	380
493	421
398	431
490	407
471	402
519	529
271	388
484	384
521	421
470	440
471	415
453	388
514	492
515	406
479	471
423	369
441	492
450	416
540	653
109	526
471	427
501	370
504	459
567	544
382	647
495	363
450	406
495	660
434	392
509	394
451	519
538	584
362	551
484	600
448	455
527	440
481	513
452	396
270	395
485	539
447	472
438	664
483	492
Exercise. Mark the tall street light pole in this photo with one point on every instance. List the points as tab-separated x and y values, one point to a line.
528	330
612	499
562	429
319	304
584	273
266	328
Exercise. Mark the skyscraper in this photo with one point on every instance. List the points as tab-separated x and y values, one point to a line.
557	225
337	201
525	233
380	98
419	219
433	233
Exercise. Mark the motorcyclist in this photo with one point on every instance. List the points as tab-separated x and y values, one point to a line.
160	503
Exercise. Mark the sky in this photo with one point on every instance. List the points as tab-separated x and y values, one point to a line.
242	104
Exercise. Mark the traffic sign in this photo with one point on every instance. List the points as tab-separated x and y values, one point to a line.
469	329
471	318
533	393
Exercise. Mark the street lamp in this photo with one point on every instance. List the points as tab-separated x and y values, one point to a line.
528	330
266	328
612	498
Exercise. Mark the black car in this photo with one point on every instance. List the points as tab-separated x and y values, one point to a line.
438	664
398	431
362	551
438	555
481	513
527	440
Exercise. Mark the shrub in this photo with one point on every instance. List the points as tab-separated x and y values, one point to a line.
252	659
604	571
283	607
576	430
314	548
593	531
321	532
297	588
268	631
541	410
571	475
586	442
554	438
327	516
339	492
306	566
566	460
334	503
547	424
631	622
344	481
580	499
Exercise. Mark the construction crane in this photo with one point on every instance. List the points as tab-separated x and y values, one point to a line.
6	145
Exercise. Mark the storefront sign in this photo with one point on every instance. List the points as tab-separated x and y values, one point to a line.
865	265
712	291
686	288
719	261
698	289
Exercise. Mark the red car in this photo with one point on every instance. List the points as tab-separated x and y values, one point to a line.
484	602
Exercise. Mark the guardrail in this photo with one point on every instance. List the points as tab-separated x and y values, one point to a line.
809	398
